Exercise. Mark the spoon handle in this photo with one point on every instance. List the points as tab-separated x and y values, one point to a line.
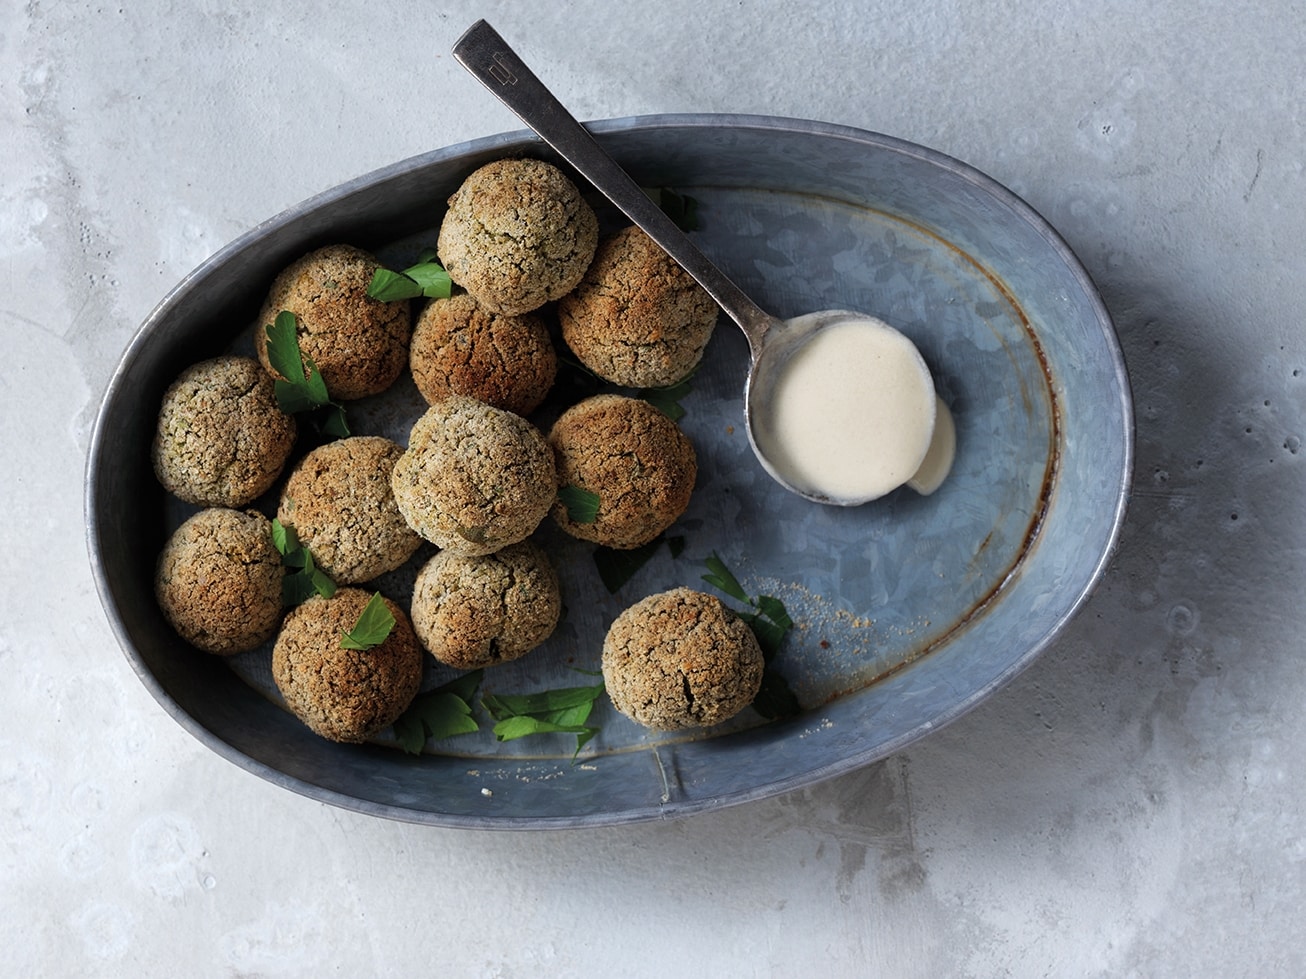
496	66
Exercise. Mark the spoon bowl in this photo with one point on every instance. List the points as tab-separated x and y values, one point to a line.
773	343
840	407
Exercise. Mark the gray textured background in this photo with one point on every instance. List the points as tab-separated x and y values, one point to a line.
1130	806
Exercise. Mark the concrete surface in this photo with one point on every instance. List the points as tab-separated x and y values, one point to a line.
1131	806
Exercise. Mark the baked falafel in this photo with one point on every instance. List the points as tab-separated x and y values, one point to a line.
218	581
681	659
635	459
473	612
461	347
221	440
338	499
637	318
517	234
359	344
345	694
474	478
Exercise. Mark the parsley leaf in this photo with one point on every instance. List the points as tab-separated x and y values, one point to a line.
561	711
719	576
667	399
389	287
582	504
616	567
770	623
439	713
426	278
775	699
306	579
300	387
373	625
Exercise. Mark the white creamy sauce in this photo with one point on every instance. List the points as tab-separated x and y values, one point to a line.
943	449
852	413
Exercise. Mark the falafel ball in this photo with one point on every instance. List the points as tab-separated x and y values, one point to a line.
218	581
473	612
460	347
221	440
681	659
345	694
474	478
637	318
339	501
634	458
517	234
359	344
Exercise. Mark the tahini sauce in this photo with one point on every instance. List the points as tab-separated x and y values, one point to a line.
852	412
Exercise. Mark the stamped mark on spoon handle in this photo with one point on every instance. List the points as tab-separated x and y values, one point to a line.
489	58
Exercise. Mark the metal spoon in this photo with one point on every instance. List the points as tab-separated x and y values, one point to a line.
771	340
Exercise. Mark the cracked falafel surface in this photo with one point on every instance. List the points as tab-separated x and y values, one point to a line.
338	499
517	234
474	478
461	347
221	440
345	694
634	458
637	318
473	612
359	344
681	659
218	581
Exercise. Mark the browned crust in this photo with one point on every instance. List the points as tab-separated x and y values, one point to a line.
339	500
345	694
637	318
681	659
360	344
460	347
474	478
517	235
218	581
634	458
221	440
474	612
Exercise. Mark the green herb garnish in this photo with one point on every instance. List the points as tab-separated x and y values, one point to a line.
300	387
769	622
439	713
582	504
667	399
426	277
774	698
561	711
373	625
616	567
306	579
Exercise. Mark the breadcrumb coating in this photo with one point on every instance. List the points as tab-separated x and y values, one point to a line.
339	500
345	694
473	612
517	234
460	347
681	659
474	478
221	440
634	458
637	318
218	581
359	344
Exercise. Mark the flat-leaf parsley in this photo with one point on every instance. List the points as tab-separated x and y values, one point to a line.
300	387
373	625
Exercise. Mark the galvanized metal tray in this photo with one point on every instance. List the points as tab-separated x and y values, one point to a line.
909	610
